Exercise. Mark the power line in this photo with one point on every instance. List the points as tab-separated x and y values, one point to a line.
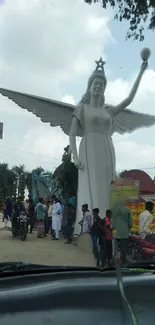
57	159
13	156
28	152
146	168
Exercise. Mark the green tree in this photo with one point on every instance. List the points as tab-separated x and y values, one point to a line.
21	180
122	174
139	14
67	174
38	171
7	181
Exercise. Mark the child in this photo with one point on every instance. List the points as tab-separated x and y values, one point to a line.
108	237
101	257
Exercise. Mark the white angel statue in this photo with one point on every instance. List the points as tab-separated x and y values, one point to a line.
95	122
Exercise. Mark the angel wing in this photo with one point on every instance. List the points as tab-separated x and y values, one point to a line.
128	121
50	111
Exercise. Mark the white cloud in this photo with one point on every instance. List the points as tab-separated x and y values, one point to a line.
133	155
69	99
44	47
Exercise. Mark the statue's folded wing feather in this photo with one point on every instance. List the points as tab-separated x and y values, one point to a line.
50	111
129	121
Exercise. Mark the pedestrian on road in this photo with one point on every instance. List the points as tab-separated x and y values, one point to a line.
40	214
84	240
108	238
69	224
121	222
94	231
102	248
56	218
31	215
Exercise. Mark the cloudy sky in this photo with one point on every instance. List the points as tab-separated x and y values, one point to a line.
48	48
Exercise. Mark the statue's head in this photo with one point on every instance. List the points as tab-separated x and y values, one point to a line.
96	84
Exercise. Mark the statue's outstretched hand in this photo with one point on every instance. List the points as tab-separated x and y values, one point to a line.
78	164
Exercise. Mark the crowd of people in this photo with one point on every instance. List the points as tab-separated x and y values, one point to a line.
48	216
110	235
99	232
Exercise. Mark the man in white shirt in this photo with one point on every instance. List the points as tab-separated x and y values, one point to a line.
87	219
145	220
56	218
84	241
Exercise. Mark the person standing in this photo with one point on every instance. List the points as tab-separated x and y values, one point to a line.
102	249
5	216
69	223
9	208
40	214
45	218
87	220
145	220
31	215
121	222
53	198
84	240
56	218
108	237
49	224
94	231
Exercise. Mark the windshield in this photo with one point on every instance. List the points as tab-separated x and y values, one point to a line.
77	161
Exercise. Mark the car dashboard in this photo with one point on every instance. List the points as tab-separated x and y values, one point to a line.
77	297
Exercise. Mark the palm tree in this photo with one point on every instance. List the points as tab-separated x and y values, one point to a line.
28	180
21	180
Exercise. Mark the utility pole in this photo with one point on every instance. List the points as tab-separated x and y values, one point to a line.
1	130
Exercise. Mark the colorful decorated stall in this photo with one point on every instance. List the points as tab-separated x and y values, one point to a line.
129	191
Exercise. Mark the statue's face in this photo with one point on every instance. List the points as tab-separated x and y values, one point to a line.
97	87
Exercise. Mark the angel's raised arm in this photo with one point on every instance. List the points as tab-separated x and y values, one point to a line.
127	101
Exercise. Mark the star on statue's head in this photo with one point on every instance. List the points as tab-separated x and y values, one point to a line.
100	64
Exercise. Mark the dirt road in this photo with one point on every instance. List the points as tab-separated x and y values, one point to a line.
43	251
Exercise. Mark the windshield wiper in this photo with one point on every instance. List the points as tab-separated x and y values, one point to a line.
22	267
18	266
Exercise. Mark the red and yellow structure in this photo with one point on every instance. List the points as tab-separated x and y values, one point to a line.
129	191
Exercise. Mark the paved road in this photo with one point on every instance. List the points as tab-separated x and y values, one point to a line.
44	251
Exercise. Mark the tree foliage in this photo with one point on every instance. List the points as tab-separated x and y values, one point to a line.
138	13
7	181
67	174
38	171
123	173
14	181
19	172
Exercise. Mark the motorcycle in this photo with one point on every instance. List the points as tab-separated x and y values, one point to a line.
141	249
19	226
